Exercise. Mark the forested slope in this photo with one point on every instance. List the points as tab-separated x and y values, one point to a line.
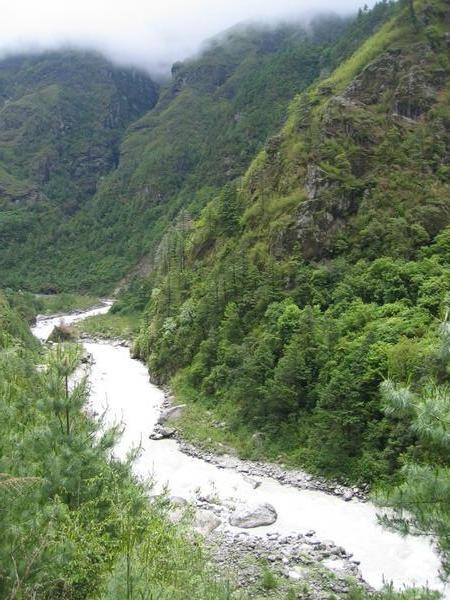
75	523
326	268
62	117
212	117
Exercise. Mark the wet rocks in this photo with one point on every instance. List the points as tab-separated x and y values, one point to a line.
253	516
205	522
162	433
173	413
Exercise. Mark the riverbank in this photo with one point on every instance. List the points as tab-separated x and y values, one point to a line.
310	522
225	456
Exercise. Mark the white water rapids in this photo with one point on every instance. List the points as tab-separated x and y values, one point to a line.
120	386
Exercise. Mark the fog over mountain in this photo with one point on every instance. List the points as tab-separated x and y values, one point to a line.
143	33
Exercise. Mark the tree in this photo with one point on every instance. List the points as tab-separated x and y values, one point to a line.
228	209
421	504
412	13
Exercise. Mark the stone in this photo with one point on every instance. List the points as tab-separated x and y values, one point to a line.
178	501
62	333
258	439
253	482
171	414
205	522
161	433
254	516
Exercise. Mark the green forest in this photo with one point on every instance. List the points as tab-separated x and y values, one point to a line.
273	222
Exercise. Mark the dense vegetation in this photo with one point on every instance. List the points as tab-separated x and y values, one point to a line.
324	270
210	120
75	524
279	295
62	117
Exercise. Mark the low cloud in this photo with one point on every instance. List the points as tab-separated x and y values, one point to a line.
151	34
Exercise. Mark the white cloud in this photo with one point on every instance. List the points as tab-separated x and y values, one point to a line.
147	33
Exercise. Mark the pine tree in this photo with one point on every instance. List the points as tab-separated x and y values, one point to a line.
421	504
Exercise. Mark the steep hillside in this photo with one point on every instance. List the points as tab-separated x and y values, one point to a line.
211	119
62	117
283	307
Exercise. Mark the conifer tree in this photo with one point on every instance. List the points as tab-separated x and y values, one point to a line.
421	504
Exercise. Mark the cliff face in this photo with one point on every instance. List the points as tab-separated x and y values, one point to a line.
368	154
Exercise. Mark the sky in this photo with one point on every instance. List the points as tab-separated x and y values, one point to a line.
151	34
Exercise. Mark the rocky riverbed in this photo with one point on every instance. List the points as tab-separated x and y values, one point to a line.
270	564
299	564
219	485
254	469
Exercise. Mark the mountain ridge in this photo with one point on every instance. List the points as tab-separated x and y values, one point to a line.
196	138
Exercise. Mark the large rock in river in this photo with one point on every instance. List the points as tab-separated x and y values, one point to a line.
254	516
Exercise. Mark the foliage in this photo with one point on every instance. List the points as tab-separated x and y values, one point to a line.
103	208
111	326
283	306
75	523
421	502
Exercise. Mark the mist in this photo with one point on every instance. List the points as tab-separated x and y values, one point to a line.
148	34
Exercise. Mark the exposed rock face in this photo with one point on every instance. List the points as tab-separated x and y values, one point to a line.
324	212
407	83
254	516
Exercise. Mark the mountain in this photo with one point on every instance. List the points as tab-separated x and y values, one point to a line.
279	213
62	116
212	117
325	269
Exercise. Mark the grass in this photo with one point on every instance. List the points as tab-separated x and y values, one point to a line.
196	427
61	303
111	326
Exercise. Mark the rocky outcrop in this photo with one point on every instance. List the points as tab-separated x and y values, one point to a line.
403	79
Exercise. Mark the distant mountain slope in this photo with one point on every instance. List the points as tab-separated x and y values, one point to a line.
211	119
61	119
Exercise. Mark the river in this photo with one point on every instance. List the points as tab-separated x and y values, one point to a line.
120	388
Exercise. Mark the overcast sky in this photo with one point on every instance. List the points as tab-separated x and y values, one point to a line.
147	33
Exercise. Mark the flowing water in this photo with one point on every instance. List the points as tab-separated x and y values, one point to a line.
121	389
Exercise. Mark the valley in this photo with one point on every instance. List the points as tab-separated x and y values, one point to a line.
270	222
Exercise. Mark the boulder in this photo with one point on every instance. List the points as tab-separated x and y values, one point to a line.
178	501
205	522
62	333
253	482
254	516
172	413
